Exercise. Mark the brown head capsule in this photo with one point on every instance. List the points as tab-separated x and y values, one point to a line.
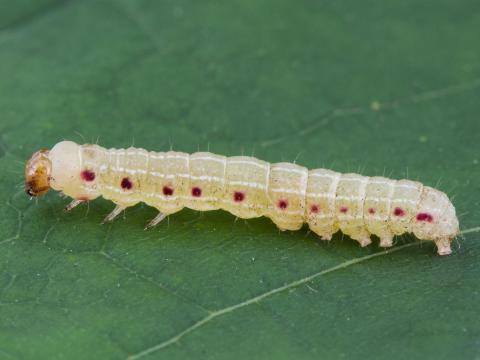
37	173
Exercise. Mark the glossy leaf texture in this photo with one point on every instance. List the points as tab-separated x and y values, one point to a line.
357	86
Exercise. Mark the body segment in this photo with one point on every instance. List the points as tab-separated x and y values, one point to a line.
289	194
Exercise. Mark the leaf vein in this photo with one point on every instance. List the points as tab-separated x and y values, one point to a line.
151	281
19	225
272	292
422	97
261	297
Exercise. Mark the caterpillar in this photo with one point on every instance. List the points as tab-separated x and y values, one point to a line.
289	194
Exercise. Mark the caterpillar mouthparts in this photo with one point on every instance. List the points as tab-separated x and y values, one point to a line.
37	174
289	194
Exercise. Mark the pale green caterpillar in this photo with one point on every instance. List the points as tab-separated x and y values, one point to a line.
289	194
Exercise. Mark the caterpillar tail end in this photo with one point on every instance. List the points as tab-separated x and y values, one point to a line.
443	246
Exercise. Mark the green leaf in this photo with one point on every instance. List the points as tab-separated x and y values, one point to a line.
372	87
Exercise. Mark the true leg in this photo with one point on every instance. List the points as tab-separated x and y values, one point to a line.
110	217
73	204
156	220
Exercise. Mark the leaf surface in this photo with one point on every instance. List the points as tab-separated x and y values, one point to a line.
372	87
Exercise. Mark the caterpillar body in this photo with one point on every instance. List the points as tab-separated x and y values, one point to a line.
289	194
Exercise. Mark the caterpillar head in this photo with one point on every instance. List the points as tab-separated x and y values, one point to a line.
37	173
436	220
59	169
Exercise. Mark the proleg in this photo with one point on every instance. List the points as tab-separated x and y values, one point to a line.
289	194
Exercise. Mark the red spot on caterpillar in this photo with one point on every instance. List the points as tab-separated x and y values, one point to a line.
424	217
167	190
83	198
126	183
87	175
344	209
398	212
196	192
315	209
282	204
238	196
371	211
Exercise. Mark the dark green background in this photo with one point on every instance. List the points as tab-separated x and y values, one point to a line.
370	86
